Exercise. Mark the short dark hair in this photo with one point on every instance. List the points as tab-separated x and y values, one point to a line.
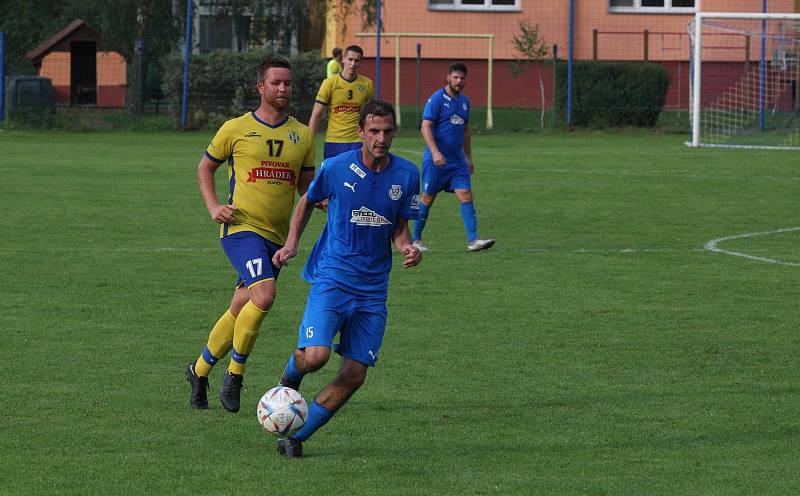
355	48
377	108
337	52
271	61
457	67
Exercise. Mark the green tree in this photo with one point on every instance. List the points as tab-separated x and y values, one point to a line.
27	24
530	49
121	22
367	10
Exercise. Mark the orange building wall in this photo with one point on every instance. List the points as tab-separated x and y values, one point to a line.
112	69
112	77
668	39
56	66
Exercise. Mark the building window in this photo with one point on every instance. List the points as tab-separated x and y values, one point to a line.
490	5
652	6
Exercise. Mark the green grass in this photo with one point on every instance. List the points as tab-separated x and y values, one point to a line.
597	349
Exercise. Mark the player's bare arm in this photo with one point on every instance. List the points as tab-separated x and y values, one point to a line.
427	135
316	117
402	241
205	177
468	148
302	186
300	216
306	176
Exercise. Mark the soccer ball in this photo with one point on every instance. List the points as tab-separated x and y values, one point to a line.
282	411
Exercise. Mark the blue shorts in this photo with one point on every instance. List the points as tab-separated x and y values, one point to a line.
361	321
436	179
332	149
251	256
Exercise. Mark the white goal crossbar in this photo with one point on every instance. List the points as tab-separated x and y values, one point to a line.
697	57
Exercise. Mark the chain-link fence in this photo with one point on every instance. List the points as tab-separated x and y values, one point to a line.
88	75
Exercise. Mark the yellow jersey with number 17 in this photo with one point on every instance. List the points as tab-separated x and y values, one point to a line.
264	164
344	100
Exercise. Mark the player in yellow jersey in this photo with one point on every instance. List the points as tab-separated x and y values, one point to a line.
334	66
343	95
270	158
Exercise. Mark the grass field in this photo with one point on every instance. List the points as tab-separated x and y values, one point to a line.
599	348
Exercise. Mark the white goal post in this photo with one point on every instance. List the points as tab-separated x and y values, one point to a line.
745	80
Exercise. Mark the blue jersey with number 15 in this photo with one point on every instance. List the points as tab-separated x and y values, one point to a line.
449	116
354	251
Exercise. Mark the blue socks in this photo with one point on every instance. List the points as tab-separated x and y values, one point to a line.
291	372
468	215
470	219
318	416
419	224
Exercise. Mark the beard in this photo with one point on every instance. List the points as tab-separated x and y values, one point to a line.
279	103
456	88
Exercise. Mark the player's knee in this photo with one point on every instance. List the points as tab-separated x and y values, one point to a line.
239	300
263	296
464	196
315	357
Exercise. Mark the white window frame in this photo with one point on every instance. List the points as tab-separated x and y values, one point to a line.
666	9
487	6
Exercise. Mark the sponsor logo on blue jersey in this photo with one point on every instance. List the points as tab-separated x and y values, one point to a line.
366	217
357	170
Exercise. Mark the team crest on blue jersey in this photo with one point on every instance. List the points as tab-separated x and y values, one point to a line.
395	192
415	202
366	217
294	137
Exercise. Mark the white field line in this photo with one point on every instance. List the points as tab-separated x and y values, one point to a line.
712	246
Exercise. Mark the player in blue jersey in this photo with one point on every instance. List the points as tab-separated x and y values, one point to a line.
447	159
371	196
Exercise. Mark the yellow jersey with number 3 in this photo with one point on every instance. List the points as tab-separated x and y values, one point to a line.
344	100
264	164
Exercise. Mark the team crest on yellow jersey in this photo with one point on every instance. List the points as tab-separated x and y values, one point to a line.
294	137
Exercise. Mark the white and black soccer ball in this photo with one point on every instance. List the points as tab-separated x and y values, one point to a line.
282	411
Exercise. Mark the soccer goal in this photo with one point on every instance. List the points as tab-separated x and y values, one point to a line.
745	79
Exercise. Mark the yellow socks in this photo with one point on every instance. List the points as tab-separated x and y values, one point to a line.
246	329
219	344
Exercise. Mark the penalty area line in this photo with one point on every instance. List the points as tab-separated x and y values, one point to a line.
713	246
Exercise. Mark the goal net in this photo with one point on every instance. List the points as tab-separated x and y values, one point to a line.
745	78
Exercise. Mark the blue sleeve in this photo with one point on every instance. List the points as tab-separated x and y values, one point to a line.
318	190
469	107
431	112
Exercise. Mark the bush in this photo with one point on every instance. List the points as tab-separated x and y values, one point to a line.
222	85
614	94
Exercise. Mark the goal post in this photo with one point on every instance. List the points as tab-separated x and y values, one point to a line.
745	80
